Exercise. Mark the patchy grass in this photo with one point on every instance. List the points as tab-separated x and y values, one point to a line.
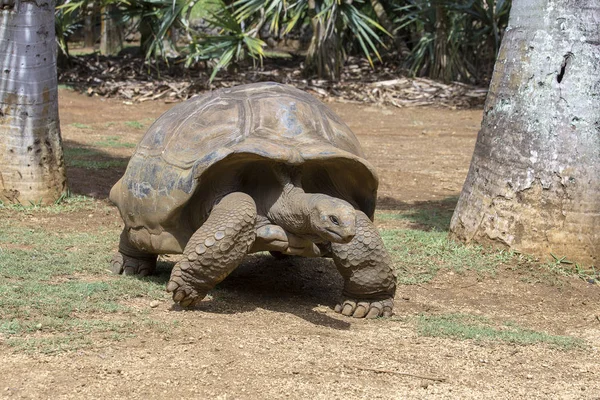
471	327
134	124
82	157
562	266
533	271
65	204
114	142
419	255
81	126
103	164
56	292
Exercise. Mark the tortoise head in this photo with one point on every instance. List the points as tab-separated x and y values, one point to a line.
333	219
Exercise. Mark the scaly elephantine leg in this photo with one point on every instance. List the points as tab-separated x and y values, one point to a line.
366	266
215	249
131	261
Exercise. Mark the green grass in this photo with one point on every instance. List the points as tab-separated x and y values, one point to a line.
562	266
471	327
134	124
419	255
113	142
56	292
81	126
81	157
65	204
57	295
102	164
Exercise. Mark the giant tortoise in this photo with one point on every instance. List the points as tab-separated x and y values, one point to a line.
259	167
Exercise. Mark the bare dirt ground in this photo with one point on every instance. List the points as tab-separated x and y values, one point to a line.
270	332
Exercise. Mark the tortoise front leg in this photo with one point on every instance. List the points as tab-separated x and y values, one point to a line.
215	249
131	261
366	266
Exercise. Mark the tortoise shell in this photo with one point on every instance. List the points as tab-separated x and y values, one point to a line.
228	140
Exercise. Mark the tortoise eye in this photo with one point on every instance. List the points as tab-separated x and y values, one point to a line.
334	220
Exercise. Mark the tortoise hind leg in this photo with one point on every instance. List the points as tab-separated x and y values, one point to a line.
131	261
215	249
366	266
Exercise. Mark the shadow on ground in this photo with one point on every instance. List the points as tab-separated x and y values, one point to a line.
423	215
293	285
92	171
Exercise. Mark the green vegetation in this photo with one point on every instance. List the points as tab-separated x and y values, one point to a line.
471	327
65	204
421	248
448	40
564	267
114	142
419	255
451	40
56	294
81	126
134	124
82	157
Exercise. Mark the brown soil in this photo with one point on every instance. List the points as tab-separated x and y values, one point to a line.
269	332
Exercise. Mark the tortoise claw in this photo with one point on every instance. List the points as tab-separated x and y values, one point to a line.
126	265
365	308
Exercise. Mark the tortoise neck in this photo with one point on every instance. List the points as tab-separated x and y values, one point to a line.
292	209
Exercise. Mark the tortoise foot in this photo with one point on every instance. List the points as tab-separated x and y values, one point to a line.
367	269
127	265
366	308
187	290
214	250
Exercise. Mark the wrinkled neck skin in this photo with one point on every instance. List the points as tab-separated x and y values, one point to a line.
291	210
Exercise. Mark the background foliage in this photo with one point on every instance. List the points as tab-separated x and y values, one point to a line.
450	40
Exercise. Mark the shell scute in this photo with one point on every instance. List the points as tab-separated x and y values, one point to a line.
220	125
284	117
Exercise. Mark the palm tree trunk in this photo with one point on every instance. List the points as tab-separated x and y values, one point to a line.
324	55
89	30
440	69
534	180
31	156
110	36
384	20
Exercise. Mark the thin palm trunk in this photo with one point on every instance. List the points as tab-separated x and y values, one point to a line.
534	181
440	69
324	55
110	33
31	157
384	20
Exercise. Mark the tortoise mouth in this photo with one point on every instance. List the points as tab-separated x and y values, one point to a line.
337	238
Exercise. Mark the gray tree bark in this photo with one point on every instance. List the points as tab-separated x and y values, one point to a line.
110	33
324	55
534	180
384	21
31	156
